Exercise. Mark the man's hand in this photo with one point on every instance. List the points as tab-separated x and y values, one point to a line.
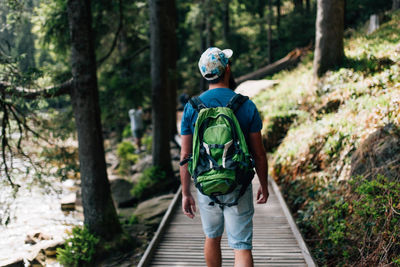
262	195
188	206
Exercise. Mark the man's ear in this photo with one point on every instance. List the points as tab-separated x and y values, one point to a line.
228	69
227	72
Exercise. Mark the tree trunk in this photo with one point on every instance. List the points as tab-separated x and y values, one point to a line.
278	14
204	40
308	6
288	61
98	208
208	18
170	23
159	76
298	6
225	21
270	12
329	51
395	4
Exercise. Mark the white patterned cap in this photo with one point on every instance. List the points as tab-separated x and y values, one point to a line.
213	62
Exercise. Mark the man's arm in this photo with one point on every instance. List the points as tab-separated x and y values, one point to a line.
260	159
188	203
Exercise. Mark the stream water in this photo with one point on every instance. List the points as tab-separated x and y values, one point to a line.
35	209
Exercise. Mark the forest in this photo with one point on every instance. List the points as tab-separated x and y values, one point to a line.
70	71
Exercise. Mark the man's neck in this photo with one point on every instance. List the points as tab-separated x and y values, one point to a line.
218	85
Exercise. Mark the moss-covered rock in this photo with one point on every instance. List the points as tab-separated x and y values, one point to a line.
378	154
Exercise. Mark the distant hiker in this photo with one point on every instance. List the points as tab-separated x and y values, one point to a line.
136	117
222	129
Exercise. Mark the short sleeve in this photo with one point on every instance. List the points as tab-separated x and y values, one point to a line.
187	120
256	122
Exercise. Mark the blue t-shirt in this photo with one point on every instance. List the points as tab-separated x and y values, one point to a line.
247	115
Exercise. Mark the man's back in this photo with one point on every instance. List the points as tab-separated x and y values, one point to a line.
247	115
135	116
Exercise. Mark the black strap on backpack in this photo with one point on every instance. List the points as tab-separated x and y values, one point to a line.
196	103
236	102
234	203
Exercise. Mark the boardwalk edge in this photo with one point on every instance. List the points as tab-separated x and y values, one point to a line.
146	258
303	246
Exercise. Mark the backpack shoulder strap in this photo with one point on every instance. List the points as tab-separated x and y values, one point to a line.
236	101
196	103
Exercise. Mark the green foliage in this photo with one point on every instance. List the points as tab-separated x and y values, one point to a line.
344	223
359	11
152	180
147	141
65	159
127	156
354	222
79	248
127	132
133	219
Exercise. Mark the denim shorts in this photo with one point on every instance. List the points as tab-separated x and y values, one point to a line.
238	220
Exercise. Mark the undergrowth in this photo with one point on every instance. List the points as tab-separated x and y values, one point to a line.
356	222
346	222
79	248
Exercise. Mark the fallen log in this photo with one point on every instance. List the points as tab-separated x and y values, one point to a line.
289	60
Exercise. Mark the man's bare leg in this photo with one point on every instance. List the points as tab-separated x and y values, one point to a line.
212	252
243	258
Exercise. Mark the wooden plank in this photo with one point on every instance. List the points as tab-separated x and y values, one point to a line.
146	258
307	255
274	242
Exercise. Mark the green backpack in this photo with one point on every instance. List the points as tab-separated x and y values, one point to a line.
220	158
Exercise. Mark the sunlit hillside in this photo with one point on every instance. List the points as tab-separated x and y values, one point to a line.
338	163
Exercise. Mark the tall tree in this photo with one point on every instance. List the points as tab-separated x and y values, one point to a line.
329	51
161	99
308	6
99	211
269	20
226	21
395	4
278	14
298	5
172	82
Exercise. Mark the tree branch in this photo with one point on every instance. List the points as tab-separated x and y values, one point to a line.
4	142
289	60
48	92
121	18
138	52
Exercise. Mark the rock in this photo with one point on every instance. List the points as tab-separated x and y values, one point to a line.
373	23
120	189
29	240
68	202
136	177
378	154
13	263
51	250
150	212
112	161
37	256
33	239
175	166
143	164
39	260
277	128
175	153
330	106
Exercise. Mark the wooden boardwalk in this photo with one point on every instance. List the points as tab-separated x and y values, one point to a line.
276	239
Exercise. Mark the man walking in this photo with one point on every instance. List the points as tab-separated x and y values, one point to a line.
136	117
215	68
